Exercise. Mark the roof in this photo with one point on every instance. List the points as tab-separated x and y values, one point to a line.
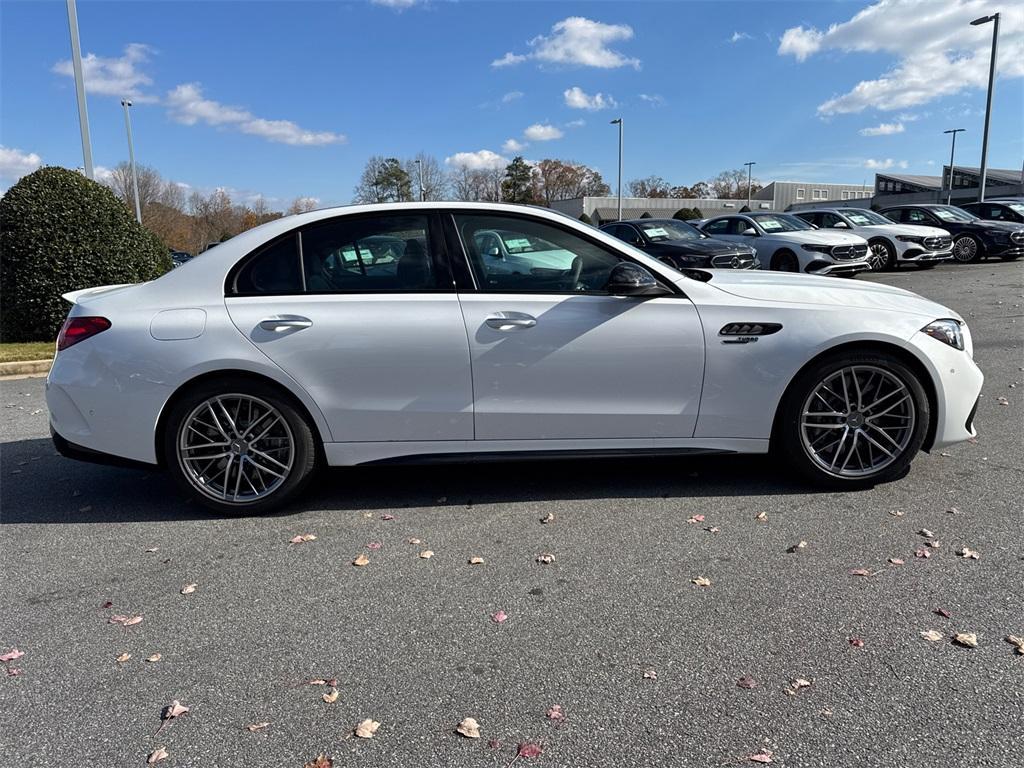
992	174
920	181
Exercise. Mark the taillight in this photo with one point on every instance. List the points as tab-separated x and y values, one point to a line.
78	329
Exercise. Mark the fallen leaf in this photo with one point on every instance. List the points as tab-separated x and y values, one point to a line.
650	674
860	572
107	604
933	544
476	561
896	512
84	509
896	561
367	728
132	621
926	533
122	658
762	516
1016	642
953	511
331	696
549	518
157	755
469	728
529	749
747	682
931	635
761	757
555	713
499	617
12	655
712	529
546	558
696	519
701	581
797	547
941	612
151	550
387	517
415	541
361	560
967	639
302	538
188	589
153	658
924	554
256	727
968	553
426	554
799	683
856	642
321	761
174	709
374	545
494	743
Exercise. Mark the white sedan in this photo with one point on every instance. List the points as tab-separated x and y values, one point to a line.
890	244
385	334
787	243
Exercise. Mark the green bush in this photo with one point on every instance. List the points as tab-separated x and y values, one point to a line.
683	214
585	219
59	232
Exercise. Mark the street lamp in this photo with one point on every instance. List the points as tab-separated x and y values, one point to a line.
749	166
618	121
988	102
76	65
954	131
131	158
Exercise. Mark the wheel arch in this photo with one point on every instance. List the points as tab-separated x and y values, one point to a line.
185	387
783	249
903	354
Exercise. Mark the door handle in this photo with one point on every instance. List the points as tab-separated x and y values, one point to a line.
510	321
281	323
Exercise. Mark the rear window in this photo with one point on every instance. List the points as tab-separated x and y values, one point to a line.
274	269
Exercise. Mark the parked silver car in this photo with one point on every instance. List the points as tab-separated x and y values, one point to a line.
787	243
889	244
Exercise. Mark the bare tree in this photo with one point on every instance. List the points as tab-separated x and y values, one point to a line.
652	186
151	185
428	173
302	205
732	185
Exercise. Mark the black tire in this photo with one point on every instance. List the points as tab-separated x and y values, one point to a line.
788	442
882	255
785	261
299	430
967	249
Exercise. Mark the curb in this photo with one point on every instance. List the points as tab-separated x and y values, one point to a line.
25	367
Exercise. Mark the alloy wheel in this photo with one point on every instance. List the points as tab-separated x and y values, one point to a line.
857	421
235	448
878	256
965	249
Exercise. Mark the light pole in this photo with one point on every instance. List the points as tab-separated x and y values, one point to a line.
954	131
988	102
749	167
76	65
618	121
419	176
131	159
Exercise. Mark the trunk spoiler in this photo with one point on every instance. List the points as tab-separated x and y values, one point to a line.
84	293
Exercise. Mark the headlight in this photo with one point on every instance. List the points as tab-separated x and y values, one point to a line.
946	331
818	248
910	238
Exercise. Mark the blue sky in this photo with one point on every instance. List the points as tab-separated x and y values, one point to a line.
290	98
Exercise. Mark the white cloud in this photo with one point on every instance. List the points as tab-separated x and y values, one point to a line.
102	174
575	124
883	129
187	105
538	132
481	160
576	41
577	98
121	77
884	165
14	164
399	4
938	52
737	36
511	96
653	99
511	145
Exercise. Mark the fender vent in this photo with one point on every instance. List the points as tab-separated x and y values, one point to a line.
750	329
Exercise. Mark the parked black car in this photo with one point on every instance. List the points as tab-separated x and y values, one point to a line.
681	245
180	257
998	210
973	238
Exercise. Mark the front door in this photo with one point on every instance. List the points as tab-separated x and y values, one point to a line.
361	312
555	357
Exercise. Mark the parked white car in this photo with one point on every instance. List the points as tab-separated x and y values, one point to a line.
889	244
385	333
787	243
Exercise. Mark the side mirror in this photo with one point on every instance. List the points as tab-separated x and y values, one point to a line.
639	242
494	253
749	232
628	279
840	225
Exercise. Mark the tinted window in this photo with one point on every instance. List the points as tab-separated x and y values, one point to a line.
275	269
720	227
810	218
915	216
378	254
515	255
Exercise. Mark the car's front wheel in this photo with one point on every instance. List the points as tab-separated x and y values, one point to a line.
238	446
852	420
881	255
785	261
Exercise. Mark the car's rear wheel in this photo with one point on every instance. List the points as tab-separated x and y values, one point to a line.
785	261
853	420
966	249
238	446
881	255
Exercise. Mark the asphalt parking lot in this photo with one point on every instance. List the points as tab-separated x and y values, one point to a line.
644	663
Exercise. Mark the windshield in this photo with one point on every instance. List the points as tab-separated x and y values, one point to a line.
1017	207
864	218
657	230
952	213
779	222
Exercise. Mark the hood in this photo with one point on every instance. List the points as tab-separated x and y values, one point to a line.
818	236
1006	226
811	289
703	247
908	229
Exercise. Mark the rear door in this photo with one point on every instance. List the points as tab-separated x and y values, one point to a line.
362	312
555	356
